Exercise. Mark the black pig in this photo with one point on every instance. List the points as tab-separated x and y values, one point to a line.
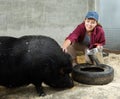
6	46
6	42
36	59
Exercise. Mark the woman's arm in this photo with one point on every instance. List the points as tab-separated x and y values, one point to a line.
65	45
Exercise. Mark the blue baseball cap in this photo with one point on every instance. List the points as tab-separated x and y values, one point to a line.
92	14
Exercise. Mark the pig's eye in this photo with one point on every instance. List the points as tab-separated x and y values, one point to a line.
62	72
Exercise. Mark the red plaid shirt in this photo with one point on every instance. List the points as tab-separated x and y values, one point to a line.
97	37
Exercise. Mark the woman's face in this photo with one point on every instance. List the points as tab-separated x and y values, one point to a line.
90	24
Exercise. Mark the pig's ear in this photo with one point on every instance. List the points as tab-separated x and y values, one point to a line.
68	56
65	70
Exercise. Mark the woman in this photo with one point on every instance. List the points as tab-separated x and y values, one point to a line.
88	34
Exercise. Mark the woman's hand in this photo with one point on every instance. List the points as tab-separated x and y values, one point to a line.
99	47
65	45
64	49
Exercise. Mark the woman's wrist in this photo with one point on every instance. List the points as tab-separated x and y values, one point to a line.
65	45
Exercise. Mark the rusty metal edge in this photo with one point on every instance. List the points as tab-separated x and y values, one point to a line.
111	51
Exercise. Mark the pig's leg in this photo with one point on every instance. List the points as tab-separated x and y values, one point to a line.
40	89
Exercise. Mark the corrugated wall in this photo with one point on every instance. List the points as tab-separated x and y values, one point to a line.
109	18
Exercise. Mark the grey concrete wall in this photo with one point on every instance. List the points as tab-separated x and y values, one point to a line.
54	18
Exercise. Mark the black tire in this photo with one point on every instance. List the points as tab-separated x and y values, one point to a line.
93	75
